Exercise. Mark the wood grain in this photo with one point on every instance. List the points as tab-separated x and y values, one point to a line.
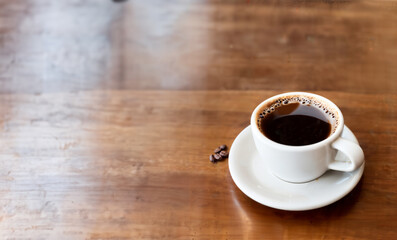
109	112
232	45
134	164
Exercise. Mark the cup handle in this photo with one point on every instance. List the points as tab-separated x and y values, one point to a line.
352	151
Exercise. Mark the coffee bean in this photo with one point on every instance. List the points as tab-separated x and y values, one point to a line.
220	154
224	154
217	156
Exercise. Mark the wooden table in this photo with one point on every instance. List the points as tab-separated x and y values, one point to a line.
109	112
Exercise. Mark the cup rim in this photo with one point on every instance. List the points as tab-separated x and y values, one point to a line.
331	138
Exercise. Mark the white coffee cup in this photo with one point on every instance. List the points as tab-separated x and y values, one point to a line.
300	164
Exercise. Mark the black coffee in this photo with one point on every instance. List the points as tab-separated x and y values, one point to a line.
295	124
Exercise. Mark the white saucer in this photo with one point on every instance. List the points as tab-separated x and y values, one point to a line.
253	179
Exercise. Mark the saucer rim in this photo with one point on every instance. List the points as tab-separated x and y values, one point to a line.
268	201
